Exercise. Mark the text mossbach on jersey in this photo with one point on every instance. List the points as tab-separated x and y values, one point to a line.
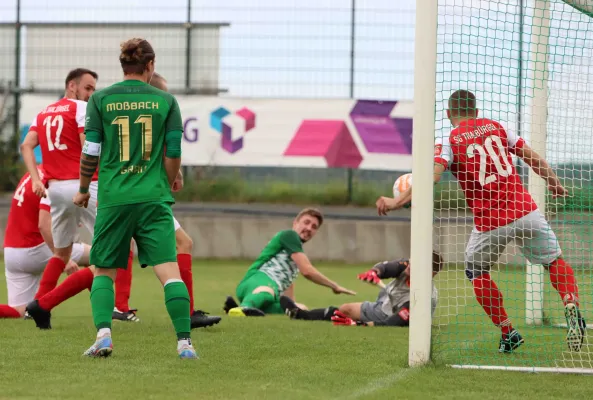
132	105
479	131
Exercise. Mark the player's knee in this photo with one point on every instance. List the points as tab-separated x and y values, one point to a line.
473	271
549	264
63	254
263	289
184	243
348	309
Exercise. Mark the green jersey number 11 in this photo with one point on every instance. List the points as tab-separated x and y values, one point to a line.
123	123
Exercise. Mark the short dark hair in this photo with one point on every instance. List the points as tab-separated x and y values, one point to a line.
462	103
312	212
78	73
135	55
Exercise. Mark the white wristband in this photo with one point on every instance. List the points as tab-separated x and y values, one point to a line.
91	149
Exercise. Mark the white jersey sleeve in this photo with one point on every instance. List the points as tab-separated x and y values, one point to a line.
45	201
80	113
512	138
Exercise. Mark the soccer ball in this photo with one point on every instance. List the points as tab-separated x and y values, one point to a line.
402	184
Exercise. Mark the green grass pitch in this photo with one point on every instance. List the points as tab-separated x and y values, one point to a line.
274	357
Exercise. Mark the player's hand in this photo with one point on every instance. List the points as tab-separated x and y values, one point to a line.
81	199
370	277
39	189
386	204
71	267
177	185
557	190
342	290
340	318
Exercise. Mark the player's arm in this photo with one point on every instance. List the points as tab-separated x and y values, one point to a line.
391	269
340	318
540	166
384	270
174	132
173	155
28	152
406	197
393	320
45	227
89	159
386	204
311	273
91	149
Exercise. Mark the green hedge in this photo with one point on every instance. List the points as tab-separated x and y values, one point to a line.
447	195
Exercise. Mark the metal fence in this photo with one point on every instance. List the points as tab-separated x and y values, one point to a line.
263	48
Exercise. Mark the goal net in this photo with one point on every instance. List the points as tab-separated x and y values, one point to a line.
530	65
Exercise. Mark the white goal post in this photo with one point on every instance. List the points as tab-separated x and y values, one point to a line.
474	45
538	62
425	63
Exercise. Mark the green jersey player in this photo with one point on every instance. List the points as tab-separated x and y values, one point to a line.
276	268
128	126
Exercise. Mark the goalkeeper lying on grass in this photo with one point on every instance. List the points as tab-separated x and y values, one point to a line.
276	268
392	307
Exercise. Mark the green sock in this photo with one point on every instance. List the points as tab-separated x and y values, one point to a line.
102	301
259	300
177	303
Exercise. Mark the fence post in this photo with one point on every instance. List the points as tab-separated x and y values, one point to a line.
188	32
350	184
17	72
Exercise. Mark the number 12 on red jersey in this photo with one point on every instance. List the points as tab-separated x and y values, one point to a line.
56	121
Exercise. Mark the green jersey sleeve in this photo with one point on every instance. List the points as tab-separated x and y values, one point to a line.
291	241
174	122
93	117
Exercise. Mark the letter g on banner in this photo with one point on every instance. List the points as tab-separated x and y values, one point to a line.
190	130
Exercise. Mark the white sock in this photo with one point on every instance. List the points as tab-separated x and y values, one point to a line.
104	332
182	342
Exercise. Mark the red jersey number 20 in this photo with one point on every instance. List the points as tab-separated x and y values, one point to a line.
488	156
54	124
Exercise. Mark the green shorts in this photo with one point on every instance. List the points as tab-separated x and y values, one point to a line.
150	224
255	280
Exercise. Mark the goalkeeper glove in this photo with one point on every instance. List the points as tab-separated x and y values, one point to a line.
370	276
340	318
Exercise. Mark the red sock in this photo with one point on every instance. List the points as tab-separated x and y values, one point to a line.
8	312
49	279
74	284
490	298
123	286
184	261
562	277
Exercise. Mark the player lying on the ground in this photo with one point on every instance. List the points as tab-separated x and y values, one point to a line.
134	190
478	153
392	307
276	268
184	243
28	246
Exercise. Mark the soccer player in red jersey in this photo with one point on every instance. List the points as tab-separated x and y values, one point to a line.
58	130
28	246
478	152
